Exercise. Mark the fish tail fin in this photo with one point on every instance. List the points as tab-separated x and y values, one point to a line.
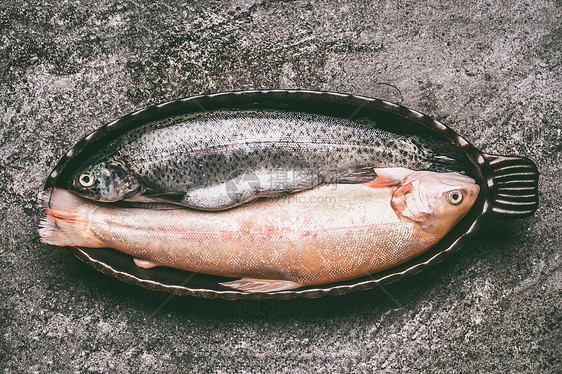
64	224
442	156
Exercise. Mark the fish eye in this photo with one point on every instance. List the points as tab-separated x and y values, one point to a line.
454	197
86	180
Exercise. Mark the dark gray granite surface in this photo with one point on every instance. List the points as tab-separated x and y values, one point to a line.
491	70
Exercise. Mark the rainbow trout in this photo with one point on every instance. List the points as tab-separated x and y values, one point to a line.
218	160
323	235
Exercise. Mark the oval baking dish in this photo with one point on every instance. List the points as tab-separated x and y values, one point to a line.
508	186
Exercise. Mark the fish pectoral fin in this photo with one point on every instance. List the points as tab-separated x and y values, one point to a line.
362	174
260	285
153	201
145	264
148	205
150	197
389	177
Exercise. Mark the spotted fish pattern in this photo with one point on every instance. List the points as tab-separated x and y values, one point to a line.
221	159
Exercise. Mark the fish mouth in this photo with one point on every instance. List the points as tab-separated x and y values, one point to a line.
472	192
86	194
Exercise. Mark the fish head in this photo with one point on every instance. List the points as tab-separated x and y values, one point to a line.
435	201
106	180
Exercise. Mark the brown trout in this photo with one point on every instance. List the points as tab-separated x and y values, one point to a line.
322	235
218	160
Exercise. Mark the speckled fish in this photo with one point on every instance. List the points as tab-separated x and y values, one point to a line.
221	159
323	235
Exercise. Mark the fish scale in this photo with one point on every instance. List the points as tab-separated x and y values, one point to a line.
323	235
193	156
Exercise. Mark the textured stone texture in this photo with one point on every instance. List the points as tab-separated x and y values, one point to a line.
492	72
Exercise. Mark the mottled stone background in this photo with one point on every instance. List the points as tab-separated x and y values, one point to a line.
490	71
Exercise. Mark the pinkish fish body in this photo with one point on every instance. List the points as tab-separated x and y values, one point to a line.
323	235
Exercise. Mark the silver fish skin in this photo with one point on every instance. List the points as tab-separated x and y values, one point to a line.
221	159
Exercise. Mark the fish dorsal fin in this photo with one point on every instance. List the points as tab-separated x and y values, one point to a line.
260	285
